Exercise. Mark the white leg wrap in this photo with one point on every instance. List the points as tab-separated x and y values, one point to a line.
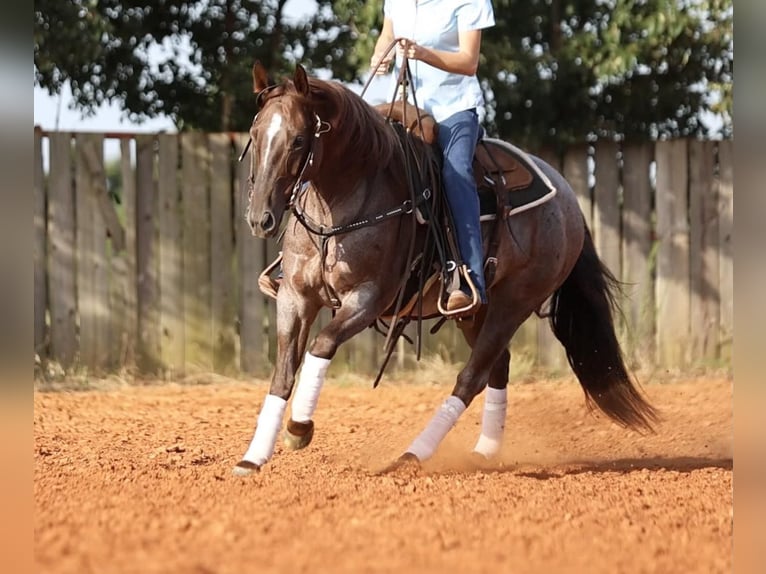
310	384
445	418
492	422
269	422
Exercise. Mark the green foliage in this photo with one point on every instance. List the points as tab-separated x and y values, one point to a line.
554	71
562	70
205	51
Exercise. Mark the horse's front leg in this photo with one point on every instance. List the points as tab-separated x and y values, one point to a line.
359	310
295	315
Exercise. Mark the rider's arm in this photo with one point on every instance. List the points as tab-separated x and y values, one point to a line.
464	61
385	38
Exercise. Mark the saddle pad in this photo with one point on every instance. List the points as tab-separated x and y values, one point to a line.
500	167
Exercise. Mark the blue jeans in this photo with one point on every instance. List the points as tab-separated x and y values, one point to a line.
458	135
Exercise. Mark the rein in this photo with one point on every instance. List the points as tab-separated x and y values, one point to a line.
405	208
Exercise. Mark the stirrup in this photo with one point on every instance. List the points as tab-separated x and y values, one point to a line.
460	271
267	284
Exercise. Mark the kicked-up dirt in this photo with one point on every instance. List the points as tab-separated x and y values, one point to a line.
138	479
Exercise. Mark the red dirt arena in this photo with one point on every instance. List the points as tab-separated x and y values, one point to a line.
137	478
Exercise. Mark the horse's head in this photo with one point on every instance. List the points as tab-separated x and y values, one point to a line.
284	137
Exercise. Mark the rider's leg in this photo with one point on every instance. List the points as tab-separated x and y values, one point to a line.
457	139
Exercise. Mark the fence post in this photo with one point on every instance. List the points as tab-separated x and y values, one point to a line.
170	247
222	253
637	242
725	247
606	200
92	264
198	332
61	249
123	282
703	233
673	254
149	356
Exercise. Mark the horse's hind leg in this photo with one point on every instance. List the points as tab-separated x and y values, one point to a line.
483	365
495	408
495	395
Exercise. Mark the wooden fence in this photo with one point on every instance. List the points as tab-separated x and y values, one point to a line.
165	278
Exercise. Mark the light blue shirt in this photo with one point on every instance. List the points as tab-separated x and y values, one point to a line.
436	24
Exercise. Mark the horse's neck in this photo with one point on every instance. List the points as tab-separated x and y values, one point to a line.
339	196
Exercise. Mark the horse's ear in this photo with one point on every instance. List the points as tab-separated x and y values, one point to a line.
301	80
261	78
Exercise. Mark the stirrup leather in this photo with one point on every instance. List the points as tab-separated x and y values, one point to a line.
266	283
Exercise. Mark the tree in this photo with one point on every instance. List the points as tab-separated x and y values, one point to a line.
202	53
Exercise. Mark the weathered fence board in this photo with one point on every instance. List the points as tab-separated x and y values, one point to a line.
40	250
172	343
166	278
92	264
637	243
196	251
222	253
672	287
703	245
147	281
123	270
726	247
61	251
606	199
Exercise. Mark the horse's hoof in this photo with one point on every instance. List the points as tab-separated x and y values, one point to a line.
406	462
245	468
409	458
298	435
481	459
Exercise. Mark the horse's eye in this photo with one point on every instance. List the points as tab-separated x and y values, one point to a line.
298	142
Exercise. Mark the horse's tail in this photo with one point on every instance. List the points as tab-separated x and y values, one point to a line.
581	318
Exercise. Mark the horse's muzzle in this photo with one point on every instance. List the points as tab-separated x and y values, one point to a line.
266	227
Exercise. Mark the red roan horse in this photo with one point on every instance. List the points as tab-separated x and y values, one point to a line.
321	151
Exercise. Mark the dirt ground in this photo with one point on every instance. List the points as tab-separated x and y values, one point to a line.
138	479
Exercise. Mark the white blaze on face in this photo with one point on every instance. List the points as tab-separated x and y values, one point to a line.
274	127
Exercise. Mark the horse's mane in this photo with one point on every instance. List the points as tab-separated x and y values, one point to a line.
366	136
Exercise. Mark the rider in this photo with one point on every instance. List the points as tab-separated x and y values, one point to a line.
443	39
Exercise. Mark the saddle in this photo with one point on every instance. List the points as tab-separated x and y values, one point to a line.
499	168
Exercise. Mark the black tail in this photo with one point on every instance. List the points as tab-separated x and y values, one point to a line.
581	318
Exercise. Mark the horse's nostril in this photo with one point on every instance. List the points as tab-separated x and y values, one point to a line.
267	221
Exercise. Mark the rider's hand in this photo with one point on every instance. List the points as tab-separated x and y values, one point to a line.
409	49
380	65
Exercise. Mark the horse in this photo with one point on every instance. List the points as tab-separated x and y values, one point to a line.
322	154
